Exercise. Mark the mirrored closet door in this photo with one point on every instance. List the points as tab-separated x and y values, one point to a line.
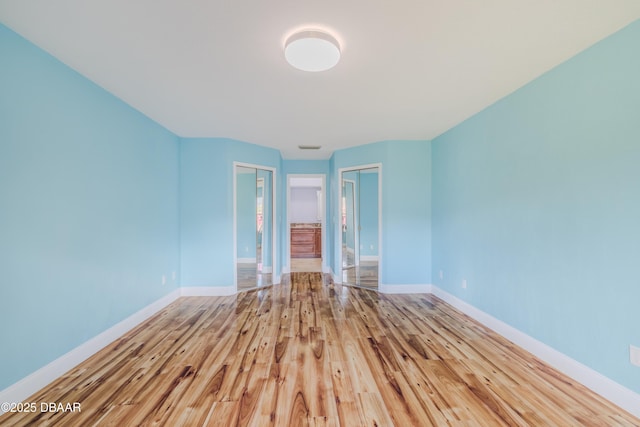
360	221
254	214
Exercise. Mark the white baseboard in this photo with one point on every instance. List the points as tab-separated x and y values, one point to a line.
267	270
246	260
286	269
605	387
609	389
208	291
404	289
39	379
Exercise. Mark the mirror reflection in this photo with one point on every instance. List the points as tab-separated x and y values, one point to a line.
360	227
254	227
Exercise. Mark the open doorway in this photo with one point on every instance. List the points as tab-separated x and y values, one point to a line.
306	223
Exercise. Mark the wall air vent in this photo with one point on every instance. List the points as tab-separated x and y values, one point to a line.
309	147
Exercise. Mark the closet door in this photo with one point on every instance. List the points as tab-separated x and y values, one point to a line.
264	227
360	222
254	227
349	233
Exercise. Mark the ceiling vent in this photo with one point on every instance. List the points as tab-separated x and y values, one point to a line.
309	147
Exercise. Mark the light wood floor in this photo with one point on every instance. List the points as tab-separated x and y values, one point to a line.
308	353
249	278
365	275
301	265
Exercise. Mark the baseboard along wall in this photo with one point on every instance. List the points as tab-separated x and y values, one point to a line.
607	388
37	380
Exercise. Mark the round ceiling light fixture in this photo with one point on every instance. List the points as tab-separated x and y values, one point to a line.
312	50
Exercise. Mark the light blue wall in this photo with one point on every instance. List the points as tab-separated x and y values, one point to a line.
246	205
368	214
316	167
537	205
206	206
406	207
88	209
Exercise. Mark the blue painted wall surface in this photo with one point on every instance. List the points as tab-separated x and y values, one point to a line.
537	205
406	207
88	209
368	214
246	212
206	206
316	167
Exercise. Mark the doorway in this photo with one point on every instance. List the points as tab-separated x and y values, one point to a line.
306	223
360	233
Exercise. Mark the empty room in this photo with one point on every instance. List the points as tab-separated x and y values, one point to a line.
358	213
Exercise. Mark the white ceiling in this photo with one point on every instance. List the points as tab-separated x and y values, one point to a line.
410	69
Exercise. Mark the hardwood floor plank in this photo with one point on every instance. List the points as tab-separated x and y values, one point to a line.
373	410
394	396
308	352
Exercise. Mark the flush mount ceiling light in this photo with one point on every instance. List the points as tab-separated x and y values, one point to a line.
312	50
